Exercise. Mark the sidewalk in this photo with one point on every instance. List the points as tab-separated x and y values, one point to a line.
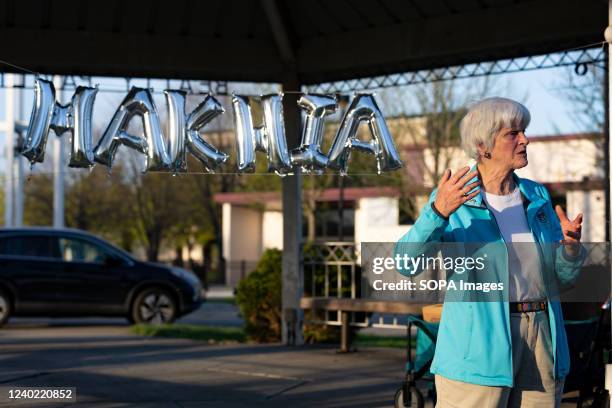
219	292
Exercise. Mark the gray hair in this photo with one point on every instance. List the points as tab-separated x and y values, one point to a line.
486	118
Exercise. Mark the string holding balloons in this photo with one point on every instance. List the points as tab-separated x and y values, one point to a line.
183	133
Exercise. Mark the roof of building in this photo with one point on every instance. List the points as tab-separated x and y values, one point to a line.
356	193
329	194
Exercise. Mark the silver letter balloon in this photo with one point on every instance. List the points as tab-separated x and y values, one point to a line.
168	153
269	139
363	108
48	114
309	155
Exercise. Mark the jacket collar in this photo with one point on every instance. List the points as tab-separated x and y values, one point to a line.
527	190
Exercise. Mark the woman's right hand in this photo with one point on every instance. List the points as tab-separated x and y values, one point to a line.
453	191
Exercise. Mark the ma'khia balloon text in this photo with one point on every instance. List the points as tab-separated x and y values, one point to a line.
166	151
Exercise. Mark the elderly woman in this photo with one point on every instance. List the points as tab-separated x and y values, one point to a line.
510	352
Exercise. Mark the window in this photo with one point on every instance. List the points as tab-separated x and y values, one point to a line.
38	246
76	250
327	220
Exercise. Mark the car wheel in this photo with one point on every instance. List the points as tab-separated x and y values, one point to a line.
5	307
154	306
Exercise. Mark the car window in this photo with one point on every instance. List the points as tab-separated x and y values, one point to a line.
38	246
77	250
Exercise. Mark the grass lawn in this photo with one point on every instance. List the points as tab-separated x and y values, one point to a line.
368	340
231	300
215	334
210	334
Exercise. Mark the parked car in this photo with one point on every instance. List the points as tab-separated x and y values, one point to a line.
67	272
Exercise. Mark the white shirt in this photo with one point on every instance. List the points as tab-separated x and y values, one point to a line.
525	280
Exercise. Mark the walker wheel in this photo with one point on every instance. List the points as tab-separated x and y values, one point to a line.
414	399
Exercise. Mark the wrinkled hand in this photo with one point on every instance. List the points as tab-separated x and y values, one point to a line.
572	231
453	191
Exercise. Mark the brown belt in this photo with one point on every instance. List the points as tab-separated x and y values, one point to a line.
525	307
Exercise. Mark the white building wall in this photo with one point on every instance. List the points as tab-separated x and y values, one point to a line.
562	161
272	230
549	162
195	254
455	156
242	239
226	224
592	205
376	220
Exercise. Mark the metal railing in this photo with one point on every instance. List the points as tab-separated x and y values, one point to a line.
331	269
579	58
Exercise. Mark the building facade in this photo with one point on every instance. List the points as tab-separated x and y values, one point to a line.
569	165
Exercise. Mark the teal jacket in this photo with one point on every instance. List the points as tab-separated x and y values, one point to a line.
474	343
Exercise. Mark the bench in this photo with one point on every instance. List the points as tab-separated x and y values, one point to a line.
345	306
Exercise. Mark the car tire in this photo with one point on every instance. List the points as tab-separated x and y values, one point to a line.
154	306
5	307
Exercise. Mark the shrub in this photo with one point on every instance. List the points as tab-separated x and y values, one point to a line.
259	298
319	333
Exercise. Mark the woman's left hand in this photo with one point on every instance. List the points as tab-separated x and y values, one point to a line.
572	231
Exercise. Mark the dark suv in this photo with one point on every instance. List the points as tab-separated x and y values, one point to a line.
66	272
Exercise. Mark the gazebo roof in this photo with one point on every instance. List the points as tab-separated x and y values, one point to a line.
311	41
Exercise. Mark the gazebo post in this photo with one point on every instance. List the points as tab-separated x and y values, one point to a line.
608	118
292	275
608	131
292	269
58	167
9	128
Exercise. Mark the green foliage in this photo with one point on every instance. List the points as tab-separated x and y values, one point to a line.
38	195
96	202
366	340
259	298
191	331
319	333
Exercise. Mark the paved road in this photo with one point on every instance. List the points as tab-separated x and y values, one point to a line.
210	313
112	368
215	314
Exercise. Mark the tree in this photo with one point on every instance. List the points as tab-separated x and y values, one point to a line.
38	199
160	203
586	93
100	201
428	135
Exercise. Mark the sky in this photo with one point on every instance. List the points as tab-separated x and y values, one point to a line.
541	91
